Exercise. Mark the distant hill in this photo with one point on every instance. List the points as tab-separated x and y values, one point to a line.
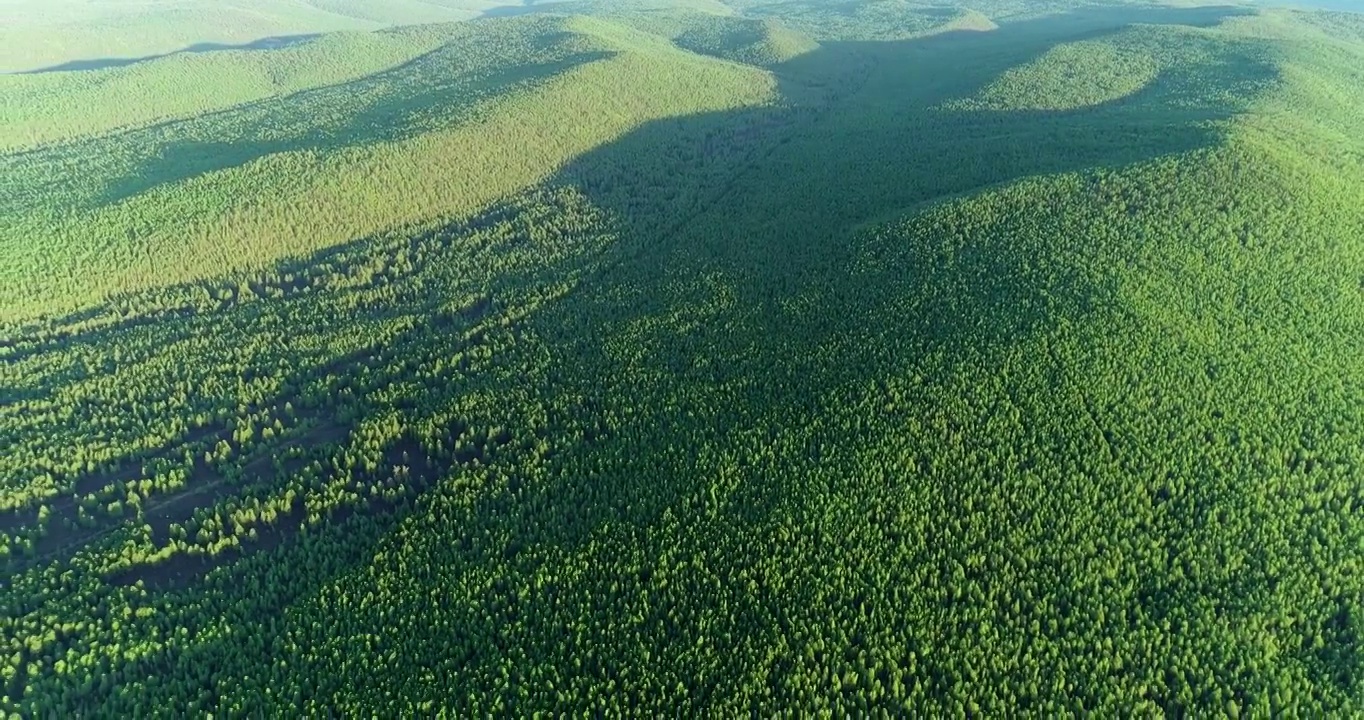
245	186
42	34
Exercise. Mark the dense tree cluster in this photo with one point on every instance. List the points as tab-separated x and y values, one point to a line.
873	401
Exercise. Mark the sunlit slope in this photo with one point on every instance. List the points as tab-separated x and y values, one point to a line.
899	19
860	20
409	11
698	27
43	108
1133	394
1150	379
436	138
616	8
762	43
1077	75
43	34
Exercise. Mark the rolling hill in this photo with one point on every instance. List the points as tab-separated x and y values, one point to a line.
63	35
847	358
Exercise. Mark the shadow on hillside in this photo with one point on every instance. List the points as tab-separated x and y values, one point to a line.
402	109
267	43
767	196
419	96
730	218
735	216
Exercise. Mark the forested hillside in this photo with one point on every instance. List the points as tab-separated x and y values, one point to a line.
58	35
690	359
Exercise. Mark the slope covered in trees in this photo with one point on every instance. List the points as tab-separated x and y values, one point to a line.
934	370
238	189
66	35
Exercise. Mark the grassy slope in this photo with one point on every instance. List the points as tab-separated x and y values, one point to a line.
229	191
40	38
820	407
37	35
1075	75
51	107
494	157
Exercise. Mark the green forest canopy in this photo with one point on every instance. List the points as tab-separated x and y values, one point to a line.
858	357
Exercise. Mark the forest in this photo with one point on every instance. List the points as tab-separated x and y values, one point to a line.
681	357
